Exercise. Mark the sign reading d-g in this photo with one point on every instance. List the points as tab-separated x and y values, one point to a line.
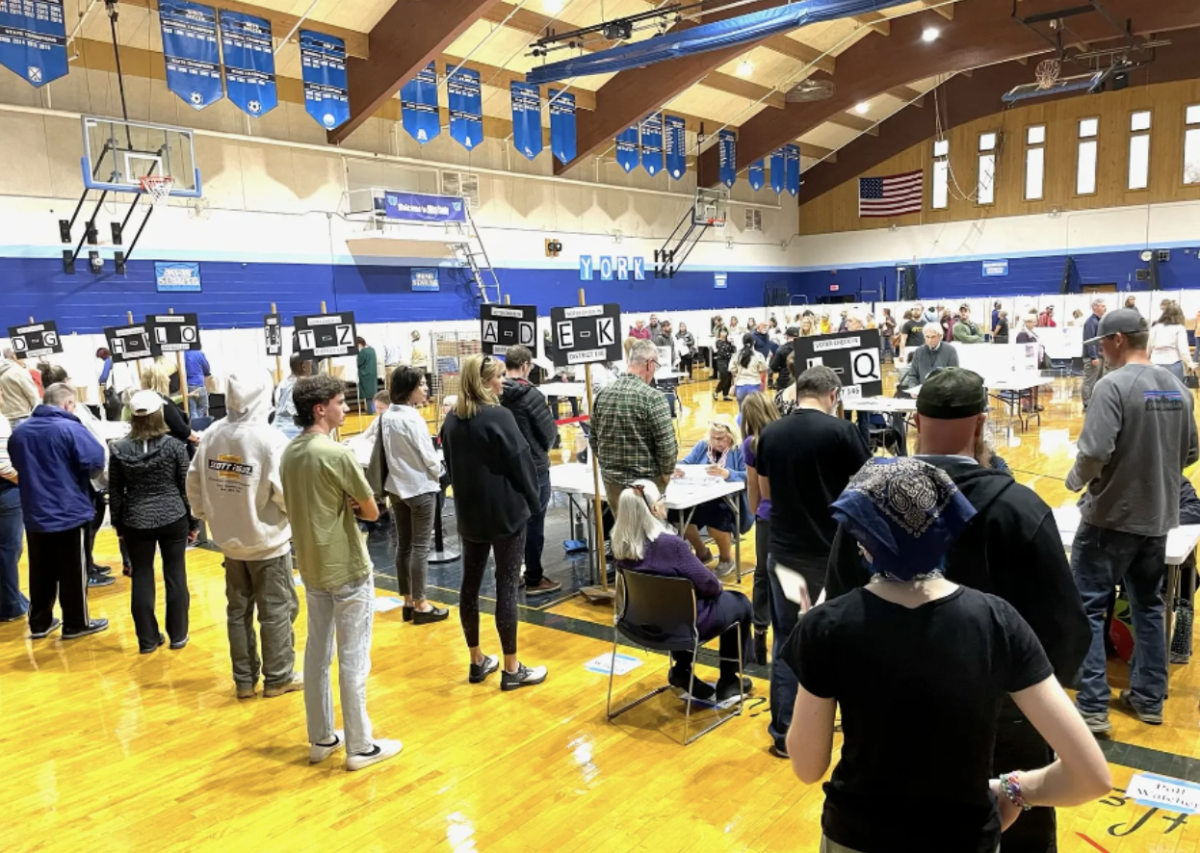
503	326
35	340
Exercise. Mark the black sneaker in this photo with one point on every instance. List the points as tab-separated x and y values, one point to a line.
176	645
97	569
162	638
524	677
55	624
480	671
779	749
728	694
701	691
100	580
428	617
93	627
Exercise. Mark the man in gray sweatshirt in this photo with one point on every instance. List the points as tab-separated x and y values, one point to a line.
934	356
1138	436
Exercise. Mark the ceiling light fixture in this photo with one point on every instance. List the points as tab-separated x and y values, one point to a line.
552	6
931	34
863	108
745	68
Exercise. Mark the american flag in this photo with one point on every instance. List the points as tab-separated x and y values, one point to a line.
893	195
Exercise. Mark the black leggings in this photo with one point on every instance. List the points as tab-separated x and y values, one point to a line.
171	539
734	617
509	553
725	380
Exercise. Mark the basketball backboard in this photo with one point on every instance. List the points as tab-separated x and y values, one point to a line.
711	206
117	154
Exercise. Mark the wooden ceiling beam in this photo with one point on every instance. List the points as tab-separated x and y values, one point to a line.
743	89
875	21
854	122
941	7
907	94
801	52
816	152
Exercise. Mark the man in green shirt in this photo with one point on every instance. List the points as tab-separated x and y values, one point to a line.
368	375
326	493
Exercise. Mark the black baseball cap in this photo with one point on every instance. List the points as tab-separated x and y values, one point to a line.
1122	321
952	393
792	332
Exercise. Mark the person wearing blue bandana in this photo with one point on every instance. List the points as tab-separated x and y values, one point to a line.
913	656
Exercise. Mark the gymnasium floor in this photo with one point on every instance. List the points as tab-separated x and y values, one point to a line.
108	750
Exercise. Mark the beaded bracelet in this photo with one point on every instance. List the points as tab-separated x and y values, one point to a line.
1010	784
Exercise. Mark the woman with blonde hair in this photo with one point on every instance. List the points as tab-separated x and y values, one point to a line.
642	542
806	327
1169	341
495	493
757	412
155	378
719	456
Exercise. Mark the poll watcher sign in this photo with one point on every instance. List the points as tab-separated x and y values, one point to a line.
853	356
326	335
128	343
586	335
173	332
273	333
504	326
35	340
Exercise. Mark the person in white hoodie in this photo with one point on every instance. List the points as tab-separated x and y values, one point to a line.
233	484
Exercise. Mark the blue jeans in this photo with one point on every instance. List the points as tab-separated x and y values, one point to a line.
744	391
12	602
1100	559
785	615
535	533
198	407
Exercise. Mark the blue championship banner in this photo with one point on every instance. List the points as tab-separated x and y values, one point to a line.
33	40
777	169
675	143
323	66
627	148
419	105
249	62
466	106
170	277
652	143
791	156
418	207
189	37
425	280
562	125
755	175
527	118
727	155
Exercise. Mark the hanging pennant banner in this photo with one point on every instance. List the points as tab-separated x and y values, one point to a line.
249	62
777	169
419	105
33	40
652	144
727	152
323	66
466	106
755	175
791	156
527	118
562	125
189	37
627	148
675	141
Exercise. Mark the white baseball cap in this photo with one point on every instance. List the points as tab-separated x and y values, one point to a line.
145	403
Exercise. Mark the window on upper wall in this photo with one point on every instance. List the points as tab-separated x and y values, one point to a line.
1139	150
1089	151
1035	162
985	188
1191	146
941	174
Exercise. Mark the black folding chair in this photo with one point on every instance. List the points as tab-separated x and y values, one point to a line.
659	613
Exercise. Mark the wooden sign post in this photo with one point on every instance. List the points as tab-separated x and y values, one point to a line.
182	369
591	593
138	363
278	356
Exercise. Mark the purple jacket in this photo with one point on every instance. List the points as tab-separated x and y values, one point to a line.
669	556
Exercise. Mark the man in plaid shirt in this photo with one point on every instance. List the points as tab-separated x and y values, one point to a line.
632	435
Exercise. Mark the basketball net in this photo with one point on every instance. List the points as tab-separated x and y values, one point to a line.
1047	73
158	187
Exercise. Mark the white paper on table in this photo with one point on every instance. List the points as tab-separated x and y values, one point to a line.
913	391
695	474
386	603
624	664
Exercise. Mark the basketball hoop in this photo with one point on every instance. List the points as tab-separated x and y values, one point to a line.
1048	71
158	187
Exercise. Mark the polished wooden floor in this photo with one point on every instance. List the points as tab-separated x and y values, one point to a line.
104	749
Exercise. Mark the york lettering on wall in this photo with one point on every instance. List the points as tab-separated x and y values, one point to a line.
610	267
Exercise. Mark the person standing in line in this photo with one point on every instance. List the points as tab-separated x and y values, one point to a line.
1046	318
1000	329
912	333
20	395
1093	360
1138	436
327	493
285	409
779	361
155	378
723	352
887	334
687	350
13	603
639	330
995	313
233	485
147	488
1169	342
757	413
495	493
413	486
966	332
804	461
1131	303
537	425
749	370
655	330
55	457
197	371
392	358
941	658
419	357
1010	549
368	373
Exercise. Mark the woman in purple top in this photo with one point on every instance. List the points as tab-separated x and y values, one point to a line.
757	412
643	543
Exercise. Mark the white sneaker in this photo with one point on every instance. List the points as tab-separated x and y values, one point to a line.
724	569
318	752
384	749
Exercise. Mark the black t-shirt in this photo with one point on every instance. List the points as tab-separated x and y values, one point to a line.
914	333
809	457
919	690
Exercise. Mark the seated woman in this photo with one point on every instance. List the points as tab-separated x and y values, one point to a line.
643	543
911	648
721	454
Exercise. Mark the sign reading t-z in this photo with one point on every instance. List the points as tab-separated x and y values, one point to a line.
619	267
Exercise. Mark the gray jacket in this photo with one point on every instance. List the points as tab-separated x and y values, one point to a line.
1138	436
925	361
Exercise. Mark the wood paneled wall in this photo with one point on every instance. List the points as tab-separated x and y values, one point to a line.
837	210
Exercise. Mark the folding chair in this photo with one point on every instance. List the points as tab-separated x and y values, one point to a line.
660	613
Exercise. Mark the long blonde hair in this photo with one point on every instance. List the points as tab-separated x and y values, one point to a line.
156	378
474	393
758	410
636	524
